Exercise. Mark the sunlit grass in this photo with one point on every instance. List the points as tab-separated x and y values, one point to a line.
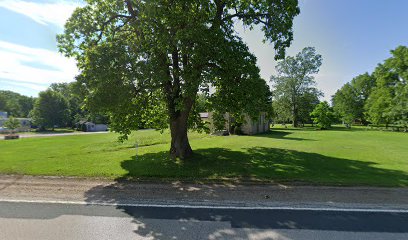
338	156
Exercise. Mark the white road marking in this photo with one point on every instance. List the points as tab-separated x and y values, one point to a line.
381	210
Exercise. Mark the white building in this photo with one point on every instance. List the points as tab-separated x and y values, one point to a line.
91	127
24	122
249	127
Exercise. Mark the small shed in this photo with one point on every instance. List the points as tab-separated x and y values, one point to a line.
93	127
250	127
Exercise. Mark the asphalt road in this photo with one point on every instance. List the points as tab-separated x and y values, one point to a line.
23	220
38	135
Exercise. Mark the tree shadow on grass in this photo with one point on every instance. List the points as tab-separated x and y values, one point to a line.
257	163
293	129
331	129
281	135
55	131
261	163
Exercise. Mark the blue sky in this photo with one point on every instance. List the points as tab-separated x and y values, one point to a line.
352	35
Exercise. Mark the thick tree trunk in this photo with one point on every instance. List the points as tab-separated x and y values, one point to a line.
180	147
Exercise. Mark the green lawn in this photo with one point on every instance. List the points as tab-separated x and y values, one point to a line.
333	157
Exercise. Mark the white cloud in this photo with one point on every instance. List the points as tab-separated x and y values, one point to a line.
34	68
55	12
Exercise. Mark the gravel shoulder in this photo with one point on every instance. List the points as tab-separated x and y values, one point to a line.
100	191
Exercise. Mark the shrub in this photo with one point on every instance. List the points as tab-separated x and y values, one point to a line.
322	115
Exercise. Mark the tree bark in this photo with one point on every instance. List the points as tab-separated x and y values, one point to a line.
180	146
294	109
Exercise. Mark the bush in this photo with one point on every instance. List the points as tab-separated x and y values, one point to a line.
12	124
322	115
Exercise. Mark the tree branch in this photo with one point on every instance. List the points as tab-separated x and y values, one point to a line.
176	72
218	15
130	8
243	15
112	18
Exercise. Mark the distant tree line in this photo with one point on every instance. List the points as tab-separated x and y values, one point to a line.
15	104
61	105
379	98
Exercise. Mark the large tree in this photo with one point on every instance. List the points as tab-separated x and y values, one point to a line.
294	80
322	115
145	61
347	104
282	109
391	78
363	85
308	102
50	109
398	65
399	112
70	92
348	101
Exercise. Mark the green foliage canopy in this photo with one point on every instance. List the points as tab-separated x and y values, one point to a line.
50	109
145	61
15	104
294	83
322	115
399	111
385	104
348	102
71	93
380	97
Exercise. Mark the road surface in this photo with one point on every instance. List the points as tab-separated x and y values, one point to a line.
70	208
76	221
40	135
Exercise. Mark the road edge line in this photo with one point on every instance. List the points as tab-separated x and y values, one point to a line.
186	206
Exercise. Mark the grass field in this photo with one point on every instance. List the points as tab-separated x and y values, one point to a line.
335	157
